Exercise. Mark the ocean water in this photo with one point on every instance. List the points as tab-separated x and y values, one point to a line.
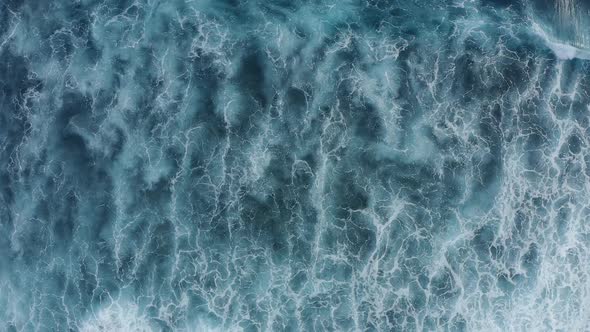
294	165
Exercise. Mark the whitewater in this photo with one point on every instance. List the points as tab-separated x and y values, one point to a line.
301	165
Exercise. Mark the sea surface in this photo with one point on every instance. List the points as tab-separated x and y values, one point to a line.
294	165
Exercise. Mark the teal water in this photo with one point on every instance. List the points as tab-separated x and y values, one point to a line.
565	21
304	165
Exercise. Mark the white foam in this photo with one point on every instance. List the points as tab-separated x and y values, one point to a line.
118	318
568	52
562	51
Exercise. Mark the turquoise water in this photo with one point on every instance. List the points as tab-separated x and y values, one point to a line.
272	165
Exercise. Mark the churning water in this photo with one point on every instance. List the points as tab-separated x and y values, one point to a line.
566	21
294	165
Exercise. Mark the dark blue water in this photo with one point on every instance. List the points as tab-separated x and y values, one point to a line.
273	165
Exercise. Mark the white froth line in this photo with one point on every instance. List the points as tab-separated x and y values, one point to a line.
561	50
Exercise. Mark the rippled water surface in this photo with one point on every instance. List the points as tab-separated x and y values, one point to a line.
294	165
